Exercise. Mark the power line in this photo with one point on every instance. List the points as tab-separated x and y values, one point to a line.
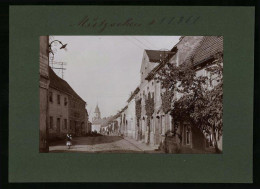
150	43
141	43
134	43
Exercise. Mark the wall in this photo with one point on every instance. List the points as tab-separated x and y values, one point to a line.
131	119
44	85
87	126
58	111
76	116
96	127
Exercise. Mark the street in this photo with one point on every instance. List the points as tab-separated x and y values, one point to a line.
103	144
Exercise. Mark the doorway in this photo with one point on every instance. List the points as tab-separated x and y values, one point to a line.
58	126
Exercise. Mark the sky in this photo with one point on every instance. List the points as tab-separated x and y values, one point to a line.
104	70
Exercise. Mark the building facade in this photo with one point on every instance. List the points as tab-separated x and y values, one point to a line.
97	120
67	113
201	51
88	124
58	113
43	87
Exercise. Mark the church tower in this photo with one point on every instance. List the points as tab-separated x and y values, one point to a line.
97	114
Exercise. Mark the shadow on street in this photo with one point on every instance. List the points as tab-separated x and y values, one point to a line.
87	141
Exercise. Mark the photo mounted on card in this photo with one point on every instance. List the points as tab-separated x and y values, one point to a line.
121	96
175	105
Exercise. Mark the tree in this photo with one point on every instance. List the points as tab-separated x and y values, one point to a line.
167	98
199	101
138	110
209	111
149	108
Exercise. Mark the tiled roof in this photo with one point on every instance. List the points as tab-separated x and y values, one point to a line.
154	55
60	84
159	66
210	46
97	122
133	94
103	122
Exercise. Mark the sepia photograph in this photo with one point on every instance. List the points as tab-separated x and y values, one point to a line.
131	94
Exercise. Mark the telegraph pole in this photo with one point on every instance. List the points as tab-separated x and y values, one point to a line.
61	64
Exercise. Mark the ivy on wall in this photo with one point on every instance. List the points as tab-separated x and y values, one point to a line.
149	109
138	110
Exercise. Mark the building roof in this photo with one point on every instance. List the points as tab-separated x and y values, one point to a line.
103	122
97	109
133	94
155	55
210	46
98	122
159	66
57	83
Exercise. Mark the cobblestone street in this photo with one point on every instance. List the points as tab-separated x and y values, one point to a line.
103	144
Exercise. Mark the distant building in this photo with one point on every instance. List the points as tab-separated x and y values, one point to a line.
97	114
96	125
96	120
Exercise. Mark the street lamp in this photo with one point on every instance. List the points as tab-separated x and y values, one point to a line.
63	46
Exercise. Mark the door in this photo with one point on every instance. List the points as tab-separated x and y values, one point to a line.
157	121
198	139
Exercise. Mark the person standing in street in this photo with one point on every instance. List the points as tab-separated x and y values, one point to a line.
68	139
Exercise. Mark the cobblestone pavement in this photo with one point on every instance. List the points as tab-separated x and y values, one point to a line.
103	144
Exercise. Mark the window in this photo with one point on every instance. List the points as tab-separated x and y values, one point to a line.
58	125
65	101
58	99
65	124
51	122
188	133
50	96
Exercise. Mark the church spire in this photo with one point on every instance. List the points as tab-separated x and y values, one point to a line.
97	113
97	109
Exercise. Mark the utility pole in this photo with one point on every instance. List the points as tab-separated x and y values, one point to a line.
61	64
